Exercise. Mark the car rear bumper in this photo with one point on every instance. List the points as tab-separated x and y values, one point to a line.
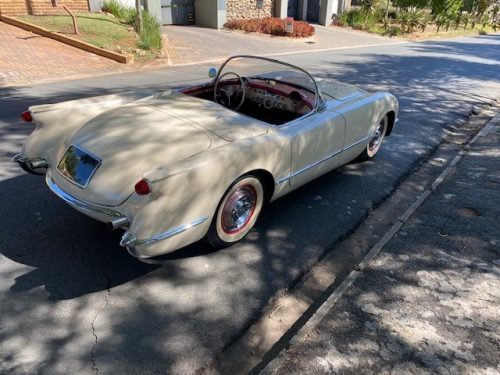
98	212
147	247
138	247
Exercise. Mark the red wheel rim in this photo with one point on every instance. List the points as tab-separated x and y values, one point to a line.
238	209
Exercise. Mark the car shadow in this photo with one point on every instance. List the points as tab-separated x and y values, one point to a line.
71	254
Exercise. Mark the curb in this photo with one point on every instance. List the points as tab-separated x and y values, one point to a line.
68	40
327	305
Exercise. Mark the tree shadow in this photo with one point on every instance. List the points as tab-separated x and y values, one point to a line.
427	302
179	316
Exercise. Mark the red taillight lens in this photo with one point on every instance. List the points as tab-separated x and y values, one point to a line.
26	116
143	187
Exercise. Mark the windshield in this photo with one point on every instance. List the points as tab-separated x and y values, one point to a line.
274	73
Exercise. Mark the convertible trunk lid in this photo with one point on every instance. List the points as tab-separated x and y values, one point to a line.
128	142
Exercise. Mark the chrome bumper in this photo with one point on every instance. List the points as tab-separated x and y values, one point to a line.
80	204
131	242
128	240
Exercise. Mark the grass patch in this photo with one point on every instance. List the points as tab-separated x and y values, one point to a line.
150	34
108	32
96	29
119	11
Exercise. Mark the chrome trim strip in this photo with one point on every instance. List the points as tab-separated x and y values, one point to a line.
283	179
357	143
85	206
128	240
308	167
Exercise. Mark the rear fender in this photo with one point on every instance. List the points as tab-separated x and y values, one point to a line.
192	189
54	122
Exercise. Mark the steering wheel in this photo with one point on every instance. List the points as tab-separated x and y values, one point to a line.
232	95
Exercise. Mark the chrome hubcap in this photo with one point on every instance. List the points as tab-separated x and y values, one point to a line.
377	138
238	209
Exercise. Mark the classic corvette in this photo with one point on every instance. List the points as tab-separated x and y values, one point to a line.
177	166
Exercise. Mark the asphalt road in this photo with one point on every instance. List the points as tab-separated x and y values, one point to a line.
73	301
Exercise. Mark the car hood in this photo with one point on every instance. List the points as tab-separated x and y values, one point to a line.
130	141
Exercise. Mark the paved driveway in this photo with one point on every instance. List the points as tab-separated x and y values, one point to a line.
25	57
194	44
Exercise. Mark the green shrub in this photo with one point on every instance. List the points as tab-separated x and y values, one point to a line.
393	31
150	35
126	14
446	12
358	19
412	18
114	7
411	3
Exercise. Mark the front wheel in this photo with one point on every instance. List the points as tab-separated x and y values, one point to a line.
237	212
375	141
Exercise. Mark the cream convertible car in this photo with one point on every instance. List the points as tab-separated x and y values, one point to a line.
176	166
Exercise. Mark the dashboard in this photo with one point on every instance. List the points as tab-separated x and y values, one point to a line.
272	97
270	100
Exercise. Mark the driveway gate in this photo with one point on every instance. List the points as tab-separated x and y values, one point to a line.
313	10
292	10
177	12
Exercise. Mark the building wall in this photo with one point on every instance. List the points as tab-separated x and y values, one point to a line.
247	9
210	13
20	7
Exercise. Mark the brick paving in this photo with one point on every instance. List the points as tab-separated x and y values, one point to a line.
26	57
194	44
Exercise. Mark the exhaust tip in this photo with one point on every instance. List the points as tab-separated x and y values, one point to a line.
117	223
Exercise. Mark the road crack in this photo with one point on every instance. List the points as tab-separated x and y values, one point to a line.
92	324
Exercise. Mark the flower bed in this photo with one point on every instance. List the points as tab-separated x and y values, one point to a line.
272	26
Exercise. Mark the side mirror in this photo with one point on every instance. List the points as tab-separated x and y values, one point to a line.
212	72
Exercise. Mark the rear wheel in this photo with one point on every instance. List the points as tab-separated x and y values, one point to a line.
375	141
237	212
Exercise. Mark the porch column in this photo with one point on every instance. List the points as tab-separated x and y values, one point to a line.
325	12
154	8
280	8
210	13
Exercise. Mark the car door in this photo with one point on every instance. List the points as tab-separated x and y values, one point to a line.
317	141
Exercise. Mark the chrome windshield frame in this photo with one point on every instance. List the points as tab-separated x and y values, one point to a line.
320	101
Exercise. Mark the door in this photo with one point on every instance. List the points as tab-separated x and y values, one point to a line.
293	8
177	12
313	10
317	143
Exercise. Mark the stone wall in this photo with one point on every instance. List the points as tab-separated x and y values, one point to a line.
20	7
237	9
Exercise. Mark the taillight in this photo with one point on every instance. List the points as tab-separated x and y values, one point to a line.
26	116
143	187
